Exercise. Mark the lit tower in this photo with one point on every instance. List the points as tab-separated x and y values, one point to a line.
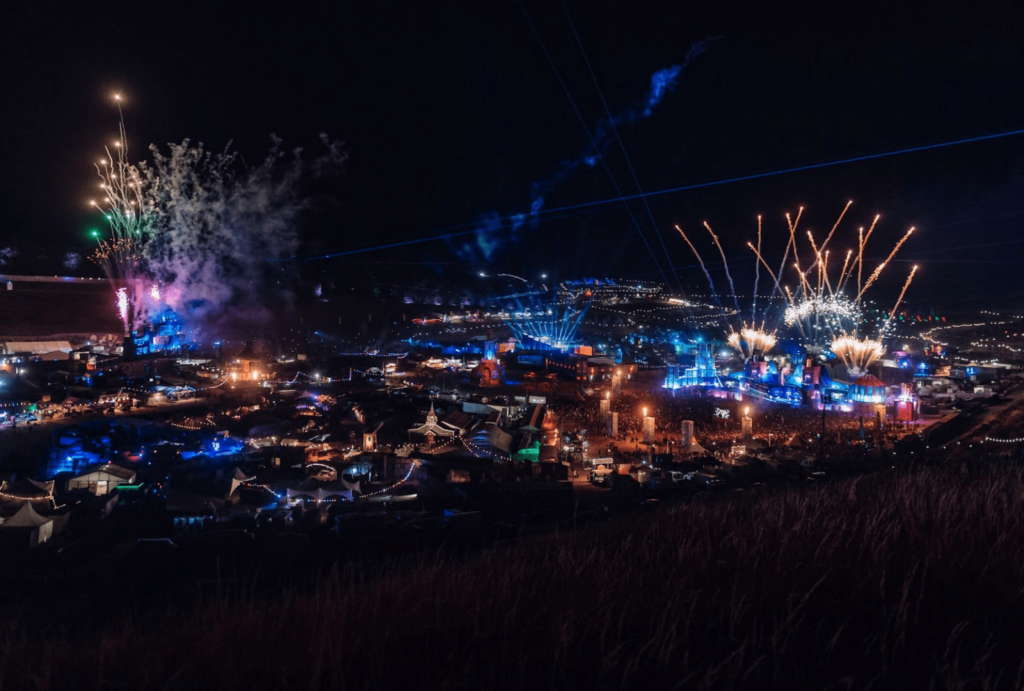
648	428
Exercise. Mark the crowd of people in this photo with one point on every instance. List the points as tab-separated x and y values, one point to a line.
716	421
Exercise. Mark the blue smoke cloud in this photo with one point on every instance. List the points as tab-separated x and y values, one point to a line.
491	233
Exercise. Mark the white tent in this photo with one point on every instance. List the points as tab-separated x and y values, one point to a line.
320	494
39	527
37	347
238	478
104	479
692	448
45	486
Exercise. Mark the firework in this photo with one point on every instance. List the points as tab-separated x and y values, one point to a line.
836	224
748	339
204	225
701	262
757	252
902	293
820	318
820	310
129	212
857	353
791	243
752	339
875	274
725	263
123	306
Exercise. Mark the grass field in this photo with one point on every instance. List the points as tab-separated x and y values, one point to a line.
893	580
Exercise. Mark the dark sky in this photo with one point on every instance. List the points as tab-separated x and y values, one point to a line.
451	110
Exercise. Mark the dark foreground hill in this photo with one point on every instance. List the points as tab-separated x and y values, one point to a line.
888	581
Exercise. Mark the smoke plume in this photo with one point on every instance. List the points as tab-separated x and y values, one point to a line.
220	228
493	231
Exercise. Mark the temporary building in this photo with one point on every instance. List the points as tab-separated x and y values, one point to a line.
15	493
36	529
104	479
693	448
37	347
239	478
321	494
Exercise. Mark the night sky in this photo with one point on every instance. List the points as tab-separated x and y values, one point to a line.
453	110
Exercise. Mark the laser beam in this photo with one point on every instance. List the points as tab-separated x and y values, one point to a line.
586	207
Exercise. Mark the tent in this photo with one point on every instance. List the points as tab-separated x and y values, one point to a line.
14	493
238	478
321	494
104	479
39	528
692	448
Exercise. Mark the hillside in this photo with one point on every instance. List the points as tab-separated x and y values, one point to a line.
887	581
37	307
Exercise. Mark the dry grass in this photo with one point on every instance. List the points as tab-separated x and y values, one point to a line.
886	581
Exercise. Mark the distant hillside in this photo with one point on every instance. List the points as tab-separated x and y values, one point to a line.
38	306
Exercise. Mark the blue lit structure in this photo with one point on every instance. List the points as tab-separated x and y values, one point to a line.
163	334
703	374
553	329
868	389
762	379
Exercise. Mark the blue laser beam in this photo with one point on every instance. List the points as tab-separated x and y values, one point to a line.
585	207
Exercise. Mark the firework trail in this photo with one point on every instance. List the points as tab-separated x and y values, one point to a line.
836	225
878	271
122	305
796	255
817	259
819	310
860	255
785	254
814	250
726	263
711	283
747	339
824	273
804	283
127	208
862	242
203	225
842	273
902	293
824	311
757	251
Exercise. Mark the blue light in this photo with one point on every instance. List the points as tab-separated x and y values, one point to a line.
562	212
